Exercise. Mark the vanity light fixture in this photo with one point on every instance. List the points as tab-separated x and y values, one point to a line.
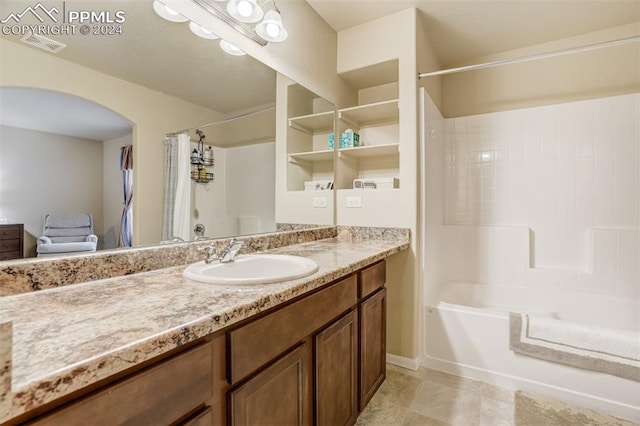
231	49
239	15
167	13
200	31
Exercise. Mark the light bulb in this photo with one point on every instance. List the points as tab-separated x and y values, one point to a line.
231	49
245	8
167	13
171	11
273	29
200	31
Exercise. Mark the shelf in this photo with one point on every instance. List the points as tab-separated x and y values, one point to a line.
321	121
371	114
370	151
311	156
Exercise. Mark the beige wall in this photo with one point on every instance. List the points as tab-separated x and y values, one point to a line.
41	173
392	38
427	61
152	113
599	73
308	56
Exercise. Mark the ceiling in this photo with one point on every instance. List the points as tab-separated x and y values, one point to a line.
462	30
55	112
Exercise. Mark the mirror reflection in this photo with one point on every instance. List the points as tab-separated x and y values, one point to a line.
67	115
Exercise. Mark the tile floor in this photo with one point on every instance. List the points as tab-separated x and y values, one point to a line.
432	398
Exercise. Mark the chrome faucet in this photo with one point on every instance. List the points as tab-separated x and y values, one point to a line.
227	254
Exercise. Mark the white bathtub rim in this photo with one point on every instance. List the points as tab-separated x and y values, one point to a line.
614	408
535	301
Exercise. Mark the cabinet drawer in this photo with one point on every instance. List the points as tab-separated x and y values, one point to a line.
10	231
10	255
9	245
160	395
371	279
256	343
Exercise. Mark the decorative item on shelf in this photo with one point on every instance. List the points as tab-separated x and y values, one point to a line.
317	185
349	139
376	183
201	158
332	139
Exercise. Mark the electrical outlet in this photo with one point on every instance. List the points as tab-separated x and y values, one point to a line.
319	202
354	202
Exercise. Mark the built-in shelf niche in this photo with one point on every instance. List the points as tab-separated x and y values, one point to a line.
310	121
376	120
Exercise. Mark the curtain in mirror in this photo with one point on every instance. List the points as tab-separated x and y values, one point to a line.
176	222
126	226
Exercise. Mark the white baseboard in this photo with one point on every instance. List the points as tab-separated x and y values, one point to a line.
518	383
400	361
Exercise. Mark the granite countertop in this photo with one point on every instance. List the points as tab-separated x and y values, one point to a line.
66	338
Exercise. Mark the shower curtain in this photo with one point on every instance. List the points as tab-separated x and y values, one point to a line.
177	188
126	224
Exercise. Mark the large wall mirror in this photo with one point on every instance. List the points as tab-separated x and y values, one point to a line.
67	108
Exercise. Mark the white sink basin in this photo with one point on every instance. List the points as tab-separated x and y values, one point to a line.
252	269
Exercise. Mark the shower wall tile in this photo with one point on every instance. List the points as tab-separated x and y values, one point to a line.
568	174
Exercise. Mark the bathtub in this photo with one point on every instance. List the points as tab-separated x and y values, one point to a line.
466	332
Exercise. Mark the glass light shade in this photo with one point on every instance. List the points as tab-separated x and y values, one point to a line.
271	28
200	31
245	10
231	49
167	13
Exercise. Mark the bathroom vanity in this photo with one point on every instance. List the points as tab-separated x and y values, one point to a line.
308	351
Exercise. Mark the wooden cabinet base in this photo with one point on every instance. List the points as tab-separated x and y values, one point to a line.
317	360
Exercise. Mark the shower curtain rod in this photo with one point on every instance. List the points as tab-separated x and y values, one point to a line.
266	108
586	48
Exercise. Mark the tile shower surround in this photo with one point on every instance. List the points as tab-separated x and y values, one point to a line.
545	196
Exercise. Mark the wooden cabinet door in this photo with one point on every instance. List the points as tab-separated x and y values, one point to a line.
336	351
372	345
279	395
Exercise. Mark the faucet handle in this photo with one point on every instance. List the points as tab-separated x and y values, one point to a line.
234	242
212	252
209	248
